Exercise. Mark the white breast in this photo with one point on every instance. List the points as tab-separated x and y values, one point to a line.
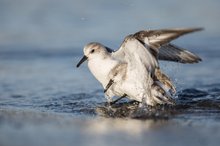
100	68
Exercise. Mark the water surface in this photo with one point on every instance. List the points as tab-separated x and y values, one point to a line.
46	100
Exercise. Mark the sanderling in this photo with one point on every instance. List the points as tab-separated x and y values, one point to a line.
133	70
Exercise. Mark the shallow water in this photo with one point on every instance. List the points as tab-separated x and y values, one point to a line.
46	100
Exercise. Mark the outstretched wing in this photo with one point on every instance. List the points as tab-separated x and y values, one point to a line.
158	41
135	54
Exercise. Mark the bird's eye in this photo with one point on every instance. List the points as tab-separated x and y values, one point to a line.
92	51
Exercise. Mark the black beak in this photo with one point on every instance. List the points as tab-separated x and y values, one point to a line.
82	60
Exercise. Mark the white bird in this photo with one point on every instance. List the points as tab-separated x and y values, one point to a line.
133	70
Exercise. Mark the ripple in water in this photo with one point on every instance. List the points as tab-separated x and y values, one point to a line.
200	102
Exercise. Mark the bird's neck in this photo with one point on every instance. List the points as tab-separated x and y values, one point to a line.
101	67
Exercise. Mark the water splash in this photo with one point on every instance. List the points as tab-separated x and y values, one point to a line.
191	101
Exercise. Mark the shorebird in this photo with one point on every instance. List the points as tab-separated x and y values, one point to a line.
133	70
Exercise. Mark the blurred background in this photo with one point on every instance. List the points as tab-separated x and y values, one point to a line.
55	24
45	100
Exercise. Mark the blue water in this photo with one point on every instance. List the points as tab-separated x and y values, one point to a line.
46	100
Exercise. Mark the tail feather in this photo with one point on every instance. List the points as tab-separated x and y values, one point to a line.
165	80
162	88
160	95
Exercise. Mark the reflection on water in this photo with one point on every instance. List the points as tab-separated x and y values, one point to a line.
37	128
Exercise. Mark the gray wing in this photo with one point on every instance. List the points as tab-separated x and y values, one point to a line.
157	38
170	52
158	41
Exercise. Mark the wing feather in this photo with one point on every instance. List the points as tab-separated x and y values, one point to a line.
156	38
158	41
133	52
170	52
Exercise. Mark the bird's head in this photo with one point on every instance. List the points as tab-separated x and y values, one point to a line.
93	50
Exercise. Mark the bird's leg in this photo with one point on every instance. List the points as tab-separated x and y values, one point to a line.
109	85
113	102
